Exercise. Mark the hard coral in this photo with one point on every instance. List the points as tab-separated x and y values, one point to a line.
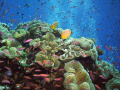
113	84
77	76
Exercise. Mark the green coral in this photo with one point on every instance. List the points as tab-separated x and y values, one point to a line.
20	34
77	76
35	42
113	84
107	69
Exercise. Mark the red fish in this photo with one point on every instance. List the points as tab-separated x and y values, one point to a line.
28	51
43	50
91	75
21	48
102	77
6	52
47	79
83	54
5	81
58	79
26	87
108	58
1	61
11	38
56	56
18	53
41	26
74	43
36	46
29	40
97	87
97	47
27	77
107	48
44	75
17	58
46	62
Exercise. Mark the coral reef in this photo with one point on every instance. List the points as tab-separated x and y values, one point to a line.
34	56
113	84
76	77
107	69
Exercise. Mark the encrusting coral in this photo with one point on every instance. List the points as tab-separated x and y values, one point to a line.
76	77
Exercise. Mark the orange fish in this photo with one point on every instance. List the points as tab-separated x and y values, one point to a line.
66	33
83	54
107	48
54	25
27	77
91	75
97	87
17	58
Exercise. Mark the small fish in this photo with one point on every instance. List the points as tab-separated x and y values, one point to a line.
44	61
95	73
36	75
5	81
97	47
7	68
37	70
17	58
21	48
54	25
47	79
40	63
56	85
74	43
2	3
27	77
5	11
58	79
2	33
11	38
56	56
29	40
41	27
108	58
97	87
102	77
66	33
6	52
98	65
84	89
107	48
1	61
61	69
44	75
83	54
28	51
18	53
26	87
104	82
43	50
18	85
91	75
36	46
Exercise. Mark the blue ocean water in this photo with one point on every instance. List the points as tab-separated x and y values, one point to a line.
99	19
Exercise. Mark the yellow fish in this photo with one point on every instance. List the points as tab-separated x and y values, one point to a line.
66	33
54	25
